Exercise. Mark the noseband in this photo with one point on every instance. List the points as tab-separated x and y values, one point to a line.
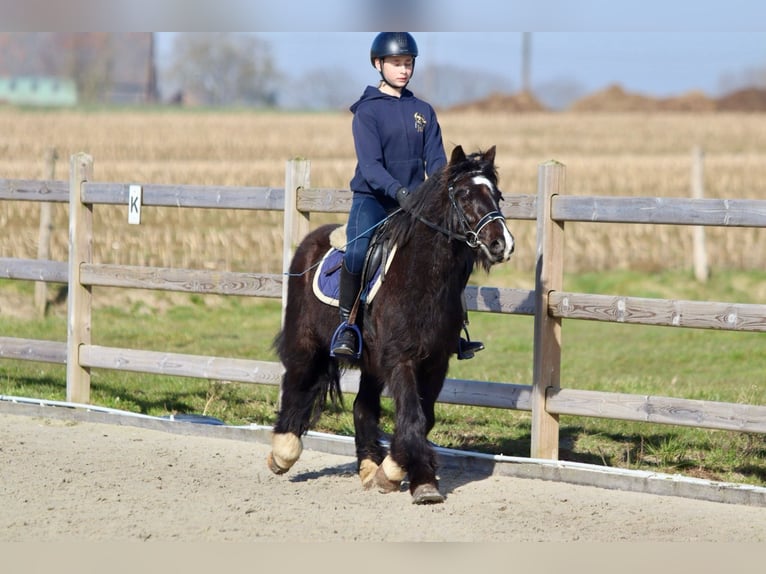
469	236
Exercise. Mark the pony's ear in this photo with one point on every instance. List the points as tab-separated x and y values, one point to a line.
458	155
489	155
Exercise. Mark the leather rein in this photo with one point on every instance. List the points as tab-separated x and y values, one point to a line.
469	236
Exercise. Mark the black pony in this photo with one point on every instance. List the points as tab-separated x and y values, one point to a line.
409	330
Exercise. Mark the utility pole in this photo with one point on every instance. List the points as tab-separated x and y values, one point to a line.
526	52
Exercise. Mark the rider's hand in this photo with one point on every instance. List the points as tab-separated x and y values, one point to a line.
404	197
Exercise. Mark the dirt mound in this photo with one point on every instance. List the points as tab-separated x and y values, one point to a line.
616	99
694	101
744	100
498	102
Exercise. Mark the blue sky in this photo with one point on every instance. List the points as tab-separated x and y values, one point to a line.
660	64
659	47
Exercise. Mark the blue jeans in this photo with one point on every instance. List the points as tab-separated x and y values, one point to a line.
365	213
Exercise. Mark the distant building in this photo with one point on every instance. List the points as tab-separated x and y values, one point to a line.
38	91
113	68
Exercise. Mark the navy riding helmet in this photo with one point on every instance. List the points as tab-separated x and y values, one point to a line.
393	44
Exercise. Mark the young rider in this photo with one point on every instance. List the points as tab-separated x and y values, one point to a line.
398	143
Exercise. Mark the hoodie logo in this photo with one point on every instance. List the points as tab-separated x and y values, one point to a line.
420	122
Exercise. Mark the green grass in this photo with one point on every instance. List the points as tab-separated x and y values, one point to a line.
689	363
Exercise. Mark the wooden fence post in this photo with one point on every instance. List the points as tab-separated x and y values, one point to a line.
701	270
44	235
296	223
79	296
549	274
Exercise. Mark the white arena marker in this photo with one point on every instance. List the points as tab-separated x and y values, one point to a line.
134	205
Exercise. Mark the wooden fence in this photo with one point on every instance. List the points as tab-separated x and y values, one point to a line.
550	207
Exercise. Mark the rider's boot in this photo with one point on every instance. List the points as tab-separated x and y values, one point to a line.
346	341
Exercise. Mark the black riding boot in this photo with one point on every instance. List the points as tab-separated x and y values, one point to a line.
346	341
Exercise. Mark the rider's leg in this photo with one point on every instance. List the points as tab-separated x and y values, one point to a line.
363	216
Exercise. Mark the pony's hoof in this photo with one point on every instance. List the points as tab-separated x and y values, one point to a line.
427	494
367	470
383	483
286	448
273	466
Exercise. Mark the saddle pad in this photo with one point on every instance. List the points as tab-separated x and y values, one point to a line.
326	283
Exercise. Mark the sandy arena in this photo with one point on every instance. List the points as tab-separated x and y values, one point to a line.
74	480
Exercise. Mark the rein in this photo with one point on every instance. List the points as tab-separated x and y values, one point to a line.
469	236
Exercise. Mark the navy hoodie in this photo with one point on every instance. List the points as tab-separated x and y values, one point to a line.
398	141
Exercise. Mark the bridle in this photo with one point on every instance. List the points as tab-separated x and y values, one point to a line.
469	236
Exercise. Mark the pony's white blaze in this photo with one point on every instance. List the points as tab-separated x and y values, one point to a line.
481	180
508	241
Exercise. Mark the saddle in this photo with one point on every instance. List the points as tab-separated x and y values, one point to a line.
378	259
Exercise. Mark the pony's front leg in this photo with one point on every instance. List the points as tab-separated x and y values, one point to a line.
369	451
410	450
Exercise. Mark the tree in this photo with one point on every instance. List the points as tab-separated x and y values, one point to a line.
321	89
89	60
223	69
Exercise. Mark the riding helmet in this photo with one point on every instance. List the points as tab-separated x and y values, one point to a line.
393	44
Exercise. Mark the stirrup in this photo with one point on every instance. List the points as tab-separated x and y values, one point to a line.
341	328
466	349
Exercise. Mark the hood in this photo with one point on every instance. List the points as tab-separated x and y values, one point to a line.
373	93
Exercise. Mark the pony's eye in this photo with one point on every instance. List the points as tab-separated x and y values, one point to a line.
462	191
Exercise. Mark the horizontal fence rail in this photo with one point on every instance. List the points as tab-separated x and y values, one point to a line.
548	303
664	312
184	280
664	410
664	210
199	196
34	270
30	190
33	350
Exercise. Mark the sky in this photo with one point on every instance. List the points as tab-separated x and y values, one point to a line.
656	47
660	64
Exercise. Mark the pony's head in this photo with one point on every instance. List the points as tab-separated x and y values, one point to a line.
462	202
473	213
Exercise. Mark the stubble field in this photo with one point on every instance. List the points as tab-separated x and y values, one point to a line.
616	155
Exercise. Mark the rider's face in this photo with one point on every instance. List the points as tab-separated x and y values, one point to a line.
397	70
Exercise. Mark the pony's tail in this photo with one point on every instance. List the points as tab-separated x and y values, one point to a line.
329	391
331	385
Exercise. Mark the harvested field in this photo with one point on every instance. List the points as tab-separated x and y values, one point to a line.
627	154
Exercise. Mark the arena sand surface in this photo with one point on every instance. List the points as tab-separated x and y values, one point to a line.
68	480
